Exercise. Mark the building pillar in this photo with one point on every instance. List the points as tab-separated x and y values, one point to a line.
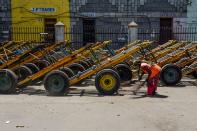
59	32
132	32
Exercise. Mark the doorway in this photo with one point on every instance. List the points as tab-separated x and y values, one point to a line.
49	28
88	31
166	28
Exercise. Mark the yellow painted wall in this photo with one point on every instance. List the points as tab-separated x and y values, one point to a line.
22	15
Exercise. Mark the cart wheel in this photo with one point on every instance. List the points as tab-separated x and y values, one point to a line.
84	64
124	72
34	68
42	64
1	62
23	72
76	68
54	58
107	82
88	62
194	74
59	55
51	59
68	71
56	83
8	81
125	63
171	74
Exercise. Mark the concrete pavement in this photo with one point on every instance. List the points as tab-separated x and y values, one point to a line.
174	109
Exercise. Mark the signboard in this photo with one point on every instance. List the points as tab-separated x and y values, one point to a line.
89	14
43	10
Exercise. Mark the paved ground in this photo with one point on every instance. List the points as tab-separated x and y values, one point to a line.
174	109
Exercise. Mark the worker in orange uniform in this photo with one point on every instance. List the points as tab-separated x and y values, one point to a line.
153	72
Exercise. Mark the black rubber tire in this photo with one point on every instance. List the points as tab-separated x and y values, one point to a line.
84	64
124	72
88	62
76	68
23	72
58	55
1	62
68	71
125	63
55	55
104	73
33	67
51	59
171	75
42	64
56	83
194	74
61	54
8	81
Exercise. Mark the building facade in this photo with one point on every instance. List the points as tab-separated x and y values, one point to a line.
5	19
96	20
38	17
93	15
192	14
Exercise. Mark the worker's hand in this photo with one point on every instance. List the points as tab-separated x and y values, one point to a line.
147	80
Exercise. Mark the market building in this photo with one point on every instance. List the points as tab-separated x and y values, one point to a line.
151	15
192	14
97	20
38	17
5	19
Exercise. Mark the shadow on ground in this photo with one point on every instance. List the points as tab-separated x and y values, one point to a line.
81	91
145	96
74	91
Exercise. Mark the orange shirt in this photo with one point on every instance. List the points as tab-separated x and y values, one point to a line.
153	70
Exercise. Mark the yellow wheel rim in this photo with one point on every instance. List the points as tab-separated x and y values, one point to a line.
107	82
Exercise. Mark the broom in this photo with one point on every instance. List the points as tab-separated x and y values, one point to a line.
138	87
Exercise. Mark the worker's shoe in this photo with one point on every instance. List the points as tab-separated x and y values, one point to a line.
154	93
151	95
147	95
